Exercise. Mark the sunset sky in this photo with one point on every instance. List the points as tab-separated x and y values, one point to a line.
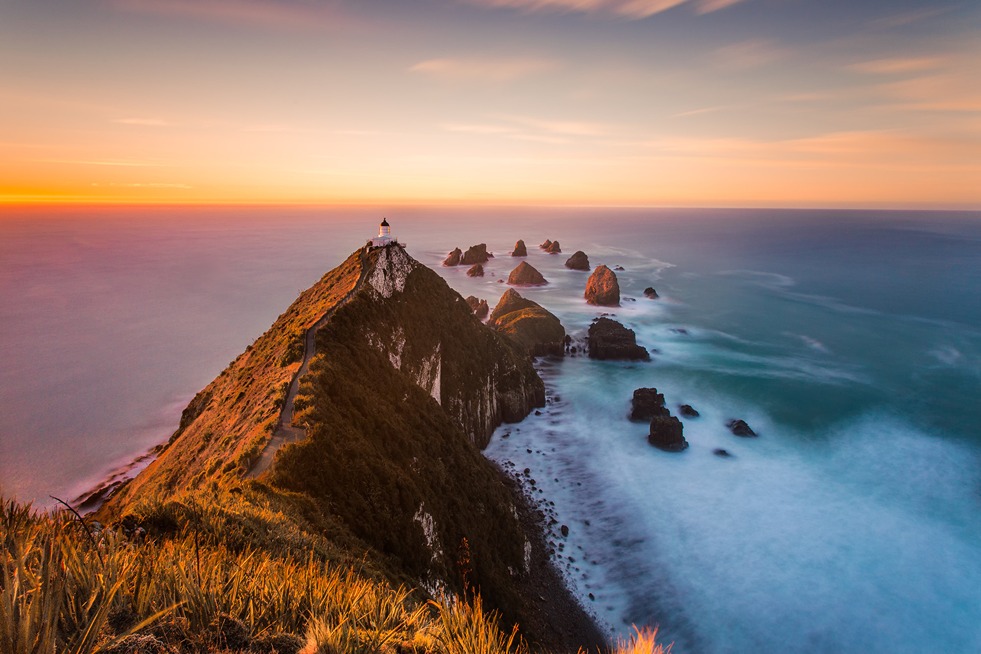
603	102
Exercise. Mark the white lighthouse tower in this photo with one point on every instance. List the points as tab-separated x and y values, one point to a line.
384	235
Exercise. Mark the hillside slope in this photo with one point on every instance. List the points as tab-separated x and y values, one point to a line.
405	387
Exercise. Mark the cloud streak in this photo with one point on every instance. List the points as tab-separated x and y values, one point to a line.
498	70
252	13
630	9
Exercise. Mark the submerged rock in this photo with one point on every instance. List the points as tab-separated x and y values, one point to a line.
526	275
667	434
688	411
608	339
528	324
475	254
519	249
578	261
740	428
649	292
453	258
721	452
476	270
646	404
602	288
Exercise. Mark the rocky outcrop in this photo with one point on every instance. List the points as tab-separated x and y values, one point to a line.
646	404
554	248
578	261
526	275
608	339
519	249
602	288
688	411
740	428
546	244
453	258
528	324
475	254
650	293
667	433
479	307
476	270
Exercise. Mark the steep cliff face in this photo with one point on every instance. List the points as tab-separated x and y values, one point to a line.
424	329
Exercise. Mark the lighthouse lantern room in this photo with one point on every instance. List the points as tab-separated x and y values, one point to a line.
384	235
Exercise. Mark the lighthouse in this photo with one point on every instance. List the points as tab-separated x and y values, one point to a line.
384	235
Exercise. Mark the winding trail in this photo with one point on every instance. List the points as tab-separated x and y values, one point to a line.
285	431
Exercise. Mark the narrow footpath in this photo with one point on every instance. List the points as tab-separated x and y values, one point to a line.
286	432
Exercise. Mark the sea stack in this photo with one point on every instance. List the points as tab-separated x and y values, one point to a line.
519	249
529	324
475	254
554	248
602	288
476	270
453	258
526	275
578	261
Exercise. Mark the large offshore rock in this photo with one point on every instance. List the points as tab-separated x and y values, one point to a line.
608	339
529	324
602	288
526	275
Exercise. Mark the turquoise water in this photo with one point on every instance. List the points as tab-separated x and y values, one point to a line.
851	341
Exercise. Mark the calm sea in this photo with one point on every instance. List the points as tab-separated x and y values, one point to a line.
850	341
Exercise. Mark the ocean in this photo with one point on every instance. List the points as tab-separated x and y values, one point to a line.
849	340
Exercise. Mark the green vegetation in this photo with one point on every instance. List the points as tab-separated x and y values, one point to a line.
240	408
67	589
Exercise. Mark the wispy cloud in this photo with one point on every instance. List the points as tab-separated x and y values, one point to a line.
631	9
256	13
942	92
750	54
909	17
898	65
142	122
532	129
503	69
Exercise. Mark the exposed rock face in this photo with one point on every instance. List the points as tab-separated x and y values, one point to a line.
475	254
602	288
519	249
453	258
646	404
479	307
649	292
688	411
740	428
578	261
608	339
526	275
667	434
476	270
546	244
527	323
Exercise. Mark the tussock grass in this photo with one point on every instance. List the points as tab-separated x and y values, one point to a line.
64	591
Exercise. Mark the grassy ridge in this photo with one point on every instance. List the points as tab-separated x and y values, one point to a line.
228	423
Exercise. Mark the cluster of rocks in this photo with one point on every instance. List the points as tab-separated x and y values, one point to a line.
479	307
552	247
475	254
667	431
